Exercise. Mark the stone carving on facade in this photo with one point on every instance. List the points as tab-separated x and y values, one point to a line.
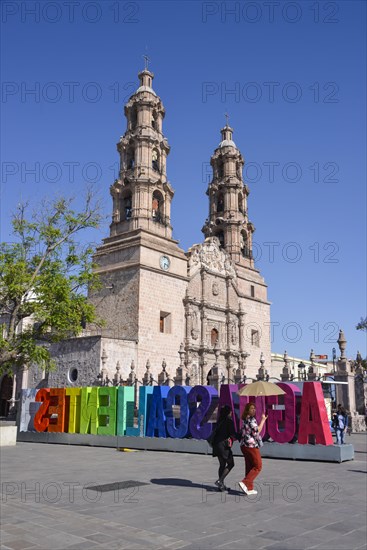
209	255
215	289
194	325
116	216
233	332
194	374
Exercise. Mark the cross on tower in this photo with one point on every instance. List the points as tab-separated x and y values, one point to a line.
147	60
227	118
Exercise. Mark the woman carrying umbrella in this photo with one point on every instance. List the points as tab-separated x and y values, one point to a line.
250	446
251	440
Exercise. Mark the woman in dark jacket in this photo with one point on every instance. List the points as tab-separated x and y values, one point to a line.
222	443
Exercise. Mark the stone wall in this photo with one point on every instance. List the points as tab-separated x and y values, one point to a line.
81	355
117	302
160	293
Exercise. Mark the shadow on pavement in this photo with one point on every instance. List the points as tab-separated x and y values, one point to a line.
179	482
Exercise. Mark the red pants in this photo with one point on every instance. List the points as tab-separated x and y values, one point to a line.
253	465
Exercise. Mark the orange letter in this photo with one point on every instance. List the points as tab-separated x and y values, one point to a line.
42	417
57	406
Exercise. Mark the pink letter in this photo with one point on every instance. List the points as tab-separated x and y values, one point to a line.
314	420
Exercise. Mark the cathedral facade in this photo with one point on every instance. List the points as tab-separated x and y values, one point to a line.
202	314
207	307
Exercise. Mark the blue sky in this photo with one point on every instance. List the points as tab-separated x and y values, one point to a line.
292	78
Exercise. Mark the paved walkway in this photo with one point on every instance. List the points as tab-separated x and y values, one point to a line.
167	500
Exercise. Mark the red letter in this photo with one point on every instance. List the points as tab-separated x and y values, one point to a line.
42	417
57	406
314	420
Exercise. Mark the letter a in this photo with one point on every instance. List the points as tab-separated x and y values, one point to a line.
314	420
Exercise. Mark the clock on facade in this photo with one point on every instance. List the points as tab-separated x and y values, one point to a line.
164	262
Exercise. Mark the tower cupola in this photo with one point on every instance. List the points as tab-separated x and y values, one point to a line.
227	141
146	80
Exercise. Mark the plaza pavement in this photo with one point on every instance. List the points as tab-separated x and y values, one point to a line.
167	500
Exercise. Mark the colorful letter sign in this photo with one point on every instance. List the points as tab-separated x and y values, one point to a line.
176	412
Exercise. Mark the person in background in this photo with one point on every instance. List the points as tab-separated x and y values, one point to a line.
250	446
225	434
341	424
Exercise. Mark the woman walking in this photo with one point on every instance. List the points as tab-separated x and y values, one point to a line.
250	446
222	443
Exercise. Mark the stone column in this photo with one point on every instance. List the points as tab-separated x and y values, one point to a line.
214	379
228	331
241	324
180	371
312	375
203	285
345	393
188	323
203	327
163	377
285	372
261	372
147	379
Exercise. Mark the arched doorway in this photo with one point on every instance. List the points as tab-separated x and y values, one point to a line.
6	391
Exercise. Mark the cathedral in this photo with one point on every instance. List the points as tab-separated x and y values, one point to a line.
203	313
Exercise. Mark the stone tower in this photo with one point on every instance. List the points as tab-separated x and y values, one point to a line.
142	194
142	269
226	306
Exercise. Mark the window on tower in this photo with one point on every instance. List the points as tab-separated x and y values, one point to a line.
214	334
133	118
220	236
165	322
220	170
130	159
240	203
158	208
154	121
255	338
220	202
127	206
245	248
155	160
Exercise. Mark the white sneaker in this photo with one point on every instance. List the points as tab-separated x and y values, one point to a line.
252	492
243	487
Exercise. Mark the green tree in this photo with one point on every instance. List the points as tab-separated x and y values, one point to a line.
362	325
44	277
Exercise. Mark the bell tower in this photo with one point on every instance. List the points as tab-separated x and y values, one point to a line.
228	221
142	194
228	217
143	271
